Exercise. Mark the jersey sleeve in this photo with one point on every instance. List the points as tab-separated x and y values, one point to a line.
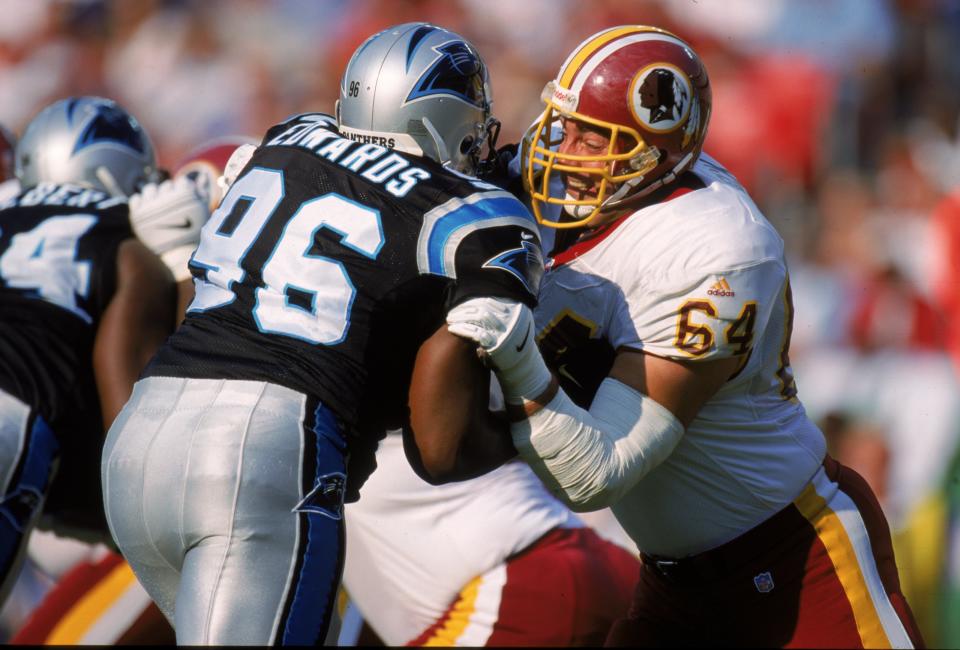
487	244
712	317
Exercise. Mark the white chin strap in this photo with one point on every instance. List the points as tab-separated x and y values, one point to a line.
623	193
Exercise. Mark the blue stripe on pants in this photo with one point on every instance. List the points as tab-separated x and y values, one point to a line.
321	536
25	494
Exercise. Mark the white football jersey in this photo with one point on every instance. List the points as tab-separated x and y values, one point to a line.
700	275
412	547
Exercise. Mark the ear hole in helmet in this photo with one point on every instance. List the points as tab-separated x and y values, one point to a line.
466	144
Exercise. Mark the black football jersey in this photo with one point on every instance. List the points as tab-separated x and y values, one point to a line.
58	250
330	261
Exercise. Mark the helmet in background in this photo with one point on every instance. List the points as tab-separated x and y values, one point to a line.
88	141
643	87
421	89
206	164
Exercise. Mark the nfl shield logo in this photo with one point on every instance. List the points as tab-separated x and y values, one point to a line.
763	582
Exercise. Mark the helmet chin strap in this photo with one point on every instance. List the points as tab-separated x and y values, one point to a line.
442	153
623	195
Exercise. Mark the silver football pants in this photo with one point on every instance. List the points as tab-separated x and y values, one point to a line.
29	454
226	498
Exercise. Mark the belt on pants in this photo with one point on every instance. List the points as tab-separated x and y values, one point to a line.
727	558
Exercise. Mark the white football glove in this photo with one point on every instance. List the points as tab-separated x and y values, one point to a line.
167	217
505	332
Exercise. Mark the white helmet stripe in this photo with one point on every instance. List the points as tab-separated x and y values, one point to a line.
591	63
579	48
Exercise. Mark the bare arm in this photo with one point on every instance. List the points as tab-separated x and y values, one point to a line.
185	293
456	436
682	387
138	319
590	457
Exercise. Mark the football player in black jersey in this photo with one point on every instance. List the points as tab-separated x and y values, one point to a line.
83	306
322	284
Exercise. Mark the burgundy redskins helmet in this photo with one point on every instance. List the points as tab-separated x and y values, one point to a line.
7	145
206	164
642	86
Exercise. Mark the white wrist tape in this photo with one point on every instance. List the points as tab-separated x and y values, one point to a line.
526	376
590	459
504	329
176	260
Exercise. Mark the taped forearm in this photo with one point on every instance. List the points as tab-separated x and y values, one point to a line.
590	459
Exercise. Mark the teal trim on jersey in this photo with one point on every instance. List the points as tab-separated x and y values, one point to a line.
451	222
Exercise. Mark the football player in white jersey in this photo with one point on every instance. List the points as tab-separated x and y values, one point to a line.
690	428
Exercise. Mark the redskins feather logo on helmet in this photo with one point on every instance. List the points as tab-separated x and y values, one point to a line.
643	87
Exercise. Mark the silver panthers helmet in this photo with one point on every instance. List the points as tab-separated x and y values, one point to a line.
421	89
89	141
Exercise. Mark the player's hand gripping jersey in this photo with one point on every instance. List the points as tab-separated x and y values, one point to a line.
328	283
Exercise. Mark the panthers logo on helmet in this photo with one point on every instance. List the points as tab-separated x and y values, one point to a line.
660	97
458	72
108	123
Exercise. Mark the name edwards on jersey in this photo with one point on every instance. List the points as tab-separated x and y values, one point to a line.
374	162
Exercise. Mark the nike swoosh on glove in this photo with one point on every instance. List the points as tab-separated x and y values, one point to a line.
168	217
505	332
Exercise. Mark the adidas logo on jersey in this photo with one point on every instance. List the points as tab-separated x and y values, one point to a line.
721	288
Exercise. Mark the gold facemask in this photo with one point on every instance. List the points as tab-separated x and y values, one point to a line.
540	160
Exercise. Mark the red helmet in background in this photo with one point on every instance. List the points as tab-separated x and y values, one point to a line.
206	164
7	145
646	89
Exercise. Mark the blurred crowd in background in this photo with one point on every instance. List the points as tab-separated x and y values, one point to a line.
841	117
